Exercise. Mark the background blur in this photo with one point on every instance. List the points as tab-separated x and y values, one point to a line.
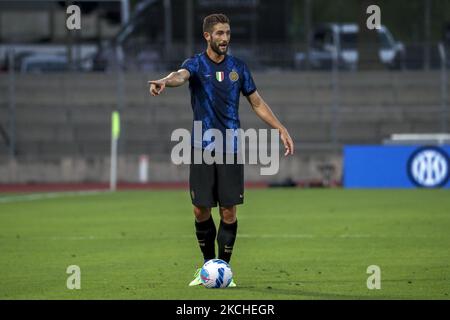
331	82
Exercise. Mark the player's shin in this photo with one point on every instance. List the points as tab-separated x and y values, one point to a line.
206	235
225	239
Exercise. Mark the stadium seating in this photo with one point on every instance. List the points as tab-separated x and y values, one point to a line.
68	115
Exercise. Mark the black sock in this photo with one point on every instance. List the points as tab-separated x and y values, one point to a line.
225	239
206	235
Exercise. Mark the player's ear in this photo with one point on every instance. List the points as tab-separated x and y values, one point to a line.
207	36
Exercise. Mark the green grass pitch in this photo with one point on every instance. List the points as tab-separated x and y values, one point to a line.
292	244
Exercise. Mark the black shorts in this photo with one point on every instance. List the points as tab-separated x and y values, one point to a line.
210	184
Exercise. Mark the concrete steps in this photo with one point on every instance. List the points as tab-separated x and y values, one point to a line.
64	114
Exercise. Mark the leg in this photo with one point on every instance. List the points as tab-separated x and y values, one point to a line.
228	214
202	191
205	230
230	181
201	214
227	232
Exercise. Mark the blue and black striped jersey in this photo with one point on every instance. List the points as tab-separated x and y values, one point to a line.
215	91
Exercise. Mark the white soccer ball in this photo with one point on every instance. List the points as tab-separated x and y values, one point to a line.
216	273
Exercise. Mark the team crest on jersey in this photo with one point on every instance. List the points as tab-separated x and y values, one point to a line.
219	76
234	76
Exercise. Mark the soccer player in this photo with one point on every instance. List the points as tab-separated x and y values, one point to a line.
216	80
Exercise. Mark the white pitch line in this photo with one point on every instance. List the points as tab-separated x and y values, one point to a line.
277	236
248	236
183	236
49	195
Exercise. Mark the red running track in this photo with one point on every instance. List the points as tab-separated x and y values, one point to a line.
54	187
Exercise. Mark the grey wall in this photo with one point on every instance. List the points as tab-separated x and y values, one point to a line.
63	121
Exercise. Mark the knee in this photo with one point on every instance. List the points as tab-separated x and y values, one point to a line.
202	213
228	214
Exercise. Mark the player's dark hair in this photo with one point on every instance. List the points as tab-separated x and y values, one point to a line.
210	21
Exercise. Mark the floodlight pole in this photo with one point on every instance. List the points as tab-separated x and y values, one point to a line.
12	104
444	88
307	17
427	30
189	28
115	133
115	118
168	30
125	8
113	172
335	94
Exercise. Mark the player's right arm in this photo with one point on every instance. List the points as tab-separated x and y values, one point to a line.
174	79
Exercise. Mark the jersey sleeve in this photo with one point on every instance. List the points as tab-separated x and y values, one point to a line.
190	65
248	85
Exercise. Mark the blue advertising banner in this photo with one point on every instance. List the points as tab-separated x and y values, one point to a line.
397	166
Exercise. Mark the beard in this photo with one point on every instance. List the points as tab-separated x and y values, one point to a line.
216	48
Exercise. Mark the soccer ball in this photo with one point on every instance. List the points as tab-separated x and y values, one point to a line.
216	273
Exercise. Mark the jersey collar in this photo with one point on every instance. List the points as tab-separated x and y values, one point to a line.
217	63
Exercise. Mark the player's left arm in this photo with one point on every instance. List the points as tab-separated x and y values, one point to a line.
265	113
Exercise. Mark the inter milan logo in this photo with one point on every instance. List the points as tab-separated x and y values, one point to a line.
219	76
234	76
429	167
